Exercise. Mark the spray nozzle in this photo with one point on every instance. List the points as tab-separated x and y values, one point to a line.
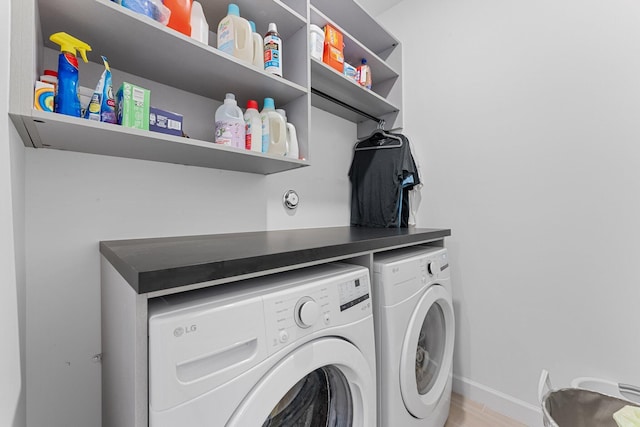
70	44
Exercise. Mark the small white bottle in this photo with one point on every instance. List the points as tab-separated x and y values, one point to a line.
51	76
273	51
363	74
253	121
316	42
234	35
230	125
199	25
258	47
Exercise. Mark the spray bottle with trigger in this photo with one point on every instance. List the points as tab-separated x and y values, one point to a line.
67	101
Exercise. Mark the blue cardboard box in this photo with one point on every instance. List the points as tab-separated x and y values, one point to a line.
165	121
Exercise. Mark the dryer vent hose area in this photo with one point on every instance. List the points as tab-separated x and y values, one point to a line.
321	399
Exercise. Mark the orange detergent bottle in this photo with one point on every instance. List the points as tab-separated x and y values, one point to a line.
180	19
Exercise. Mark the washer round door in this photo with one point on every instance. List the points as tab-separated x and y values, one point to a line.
427	352
324	383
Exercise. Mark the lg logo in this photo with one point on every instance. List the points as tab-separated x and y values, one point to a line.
180	331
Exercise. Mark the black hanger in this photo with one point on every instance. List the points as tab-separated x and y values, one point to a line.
379	138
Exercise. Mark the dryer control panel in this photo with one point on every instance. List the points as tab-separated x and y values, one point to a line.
295	313
403	272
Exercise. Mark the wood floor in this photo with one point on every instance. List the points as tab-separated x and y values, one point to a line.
467	413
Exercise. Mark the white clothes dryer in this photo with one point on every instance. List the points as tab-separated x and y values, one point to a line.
414	322
291	349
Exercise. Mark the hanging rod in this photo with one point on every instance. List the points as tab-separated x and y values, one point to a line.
347	106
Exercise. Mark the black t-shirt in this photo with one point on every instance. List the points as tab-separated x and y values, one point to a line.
377	175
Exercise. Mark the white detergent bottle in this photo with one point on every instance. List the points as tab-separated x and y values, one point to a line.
230	126
258	47
267	106
277	133
293	150
199	25
234	35
283	113
253	139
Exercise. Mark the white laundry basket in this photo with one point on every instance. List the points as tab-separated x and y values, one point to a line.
576	407
610	388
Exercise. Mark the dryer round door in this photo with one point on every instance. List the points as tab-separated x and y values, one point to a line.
427	352
326	382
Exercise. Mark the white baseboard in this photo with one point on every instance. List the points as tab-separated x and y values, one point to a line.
517	409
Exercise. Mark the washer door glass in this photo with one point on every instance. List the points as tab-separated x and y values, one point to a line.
427	352
321	399
430	349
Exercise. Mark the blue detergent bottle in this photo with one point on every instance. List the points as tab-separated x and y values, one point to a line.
67	101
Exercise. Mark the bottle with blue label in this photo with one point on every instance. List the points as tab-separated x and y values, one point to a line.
267	106
273	51
67	101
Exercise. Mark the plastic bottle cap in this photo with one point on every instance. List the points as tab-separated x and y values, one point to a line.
282	112
268	103
51	73
252	104
230	96
364	61
233	9
272	28
253	26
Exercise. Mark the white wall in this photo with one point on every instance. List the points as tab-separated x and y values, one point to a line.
10	364
526	117
75	200
324	188
18	201
12	395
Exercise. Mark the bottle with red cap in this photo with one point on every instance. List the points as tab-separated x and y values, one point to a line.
50	76
253	122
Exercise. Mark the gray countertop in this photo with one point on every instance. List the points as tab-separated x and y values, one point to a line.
163	263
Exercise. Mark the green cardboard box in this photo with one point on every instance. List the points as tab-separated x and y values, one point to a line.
133	106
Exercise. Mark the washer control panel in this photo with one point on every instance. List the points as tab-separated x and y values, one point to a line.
296	312
352	293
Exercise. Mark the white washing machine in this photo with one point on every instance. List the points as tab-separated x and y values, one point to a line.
414	325
294	349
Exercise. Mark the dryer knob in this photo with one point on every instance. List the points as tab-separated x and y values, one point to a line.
308	313
433	267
